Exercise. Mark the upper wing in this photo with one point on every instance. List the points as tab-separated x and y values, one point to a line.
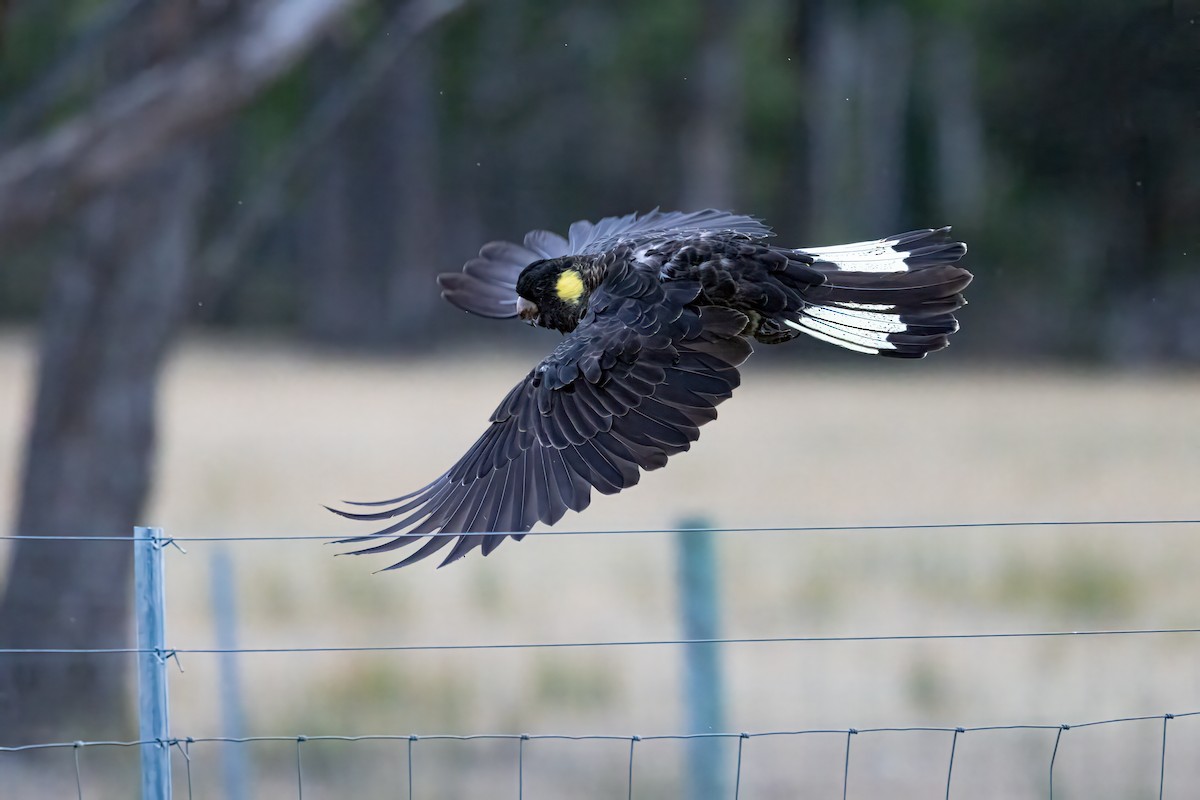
630	387
635	230
487	284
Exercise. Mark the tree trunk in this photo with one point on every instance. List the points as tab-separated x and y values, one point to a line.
339	294
348	238
831	62
713	138
115	305
416	254
960	168
885	37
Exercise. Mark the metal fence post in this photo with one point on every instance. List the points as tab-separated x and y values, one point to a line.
153	717
704	692
223	588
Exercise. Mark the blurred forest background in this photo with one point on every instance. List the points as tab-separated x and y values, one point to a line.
302	169
319	188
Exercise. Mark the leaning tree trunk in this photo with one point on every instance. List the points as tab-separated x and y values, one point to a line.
115	304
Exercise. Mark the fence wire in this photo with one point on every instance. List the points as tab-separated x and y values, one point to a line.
176	652
920	526
184	745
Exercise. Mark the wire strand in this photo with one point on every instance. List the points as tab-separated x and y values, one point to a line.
1054	755
175	652
1162	764
632	741
77	746
846	767
343	538
950	769
587	737
737	777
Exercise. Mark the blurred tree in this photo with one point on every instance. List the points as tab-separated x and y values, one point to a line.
831	56
114	308
371	244
1071	171
297	138
1096	117
191	86
858	102
350	209
884	45
115	305
712	146
952	98
413	126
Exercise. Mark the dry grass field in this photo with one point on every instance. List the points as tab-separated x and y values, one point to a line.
255	437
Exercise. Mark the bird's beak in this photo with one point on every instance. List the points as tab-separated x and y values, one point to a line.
526	310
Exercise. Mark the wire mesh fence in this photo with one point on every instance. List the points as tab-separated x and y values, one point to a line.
172	762
184	748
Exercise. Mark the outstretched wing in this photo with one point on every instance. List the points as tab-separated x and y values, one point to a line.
635	230
487	284
630	387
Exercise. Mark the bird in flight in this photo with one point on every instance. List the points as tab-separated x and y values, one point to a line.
658	311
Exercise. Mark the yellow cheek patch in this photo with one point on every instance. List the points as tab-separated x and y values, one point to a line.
570	286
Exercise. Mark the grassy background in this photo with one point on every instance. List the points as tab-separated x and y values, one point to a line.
255	437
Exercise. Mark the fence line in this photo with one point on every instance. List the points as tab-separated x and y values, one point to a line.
168	653
157	741
184	745
920	526
589	737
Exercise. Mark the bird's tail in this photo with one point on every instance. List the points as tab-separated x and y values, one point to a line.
892	297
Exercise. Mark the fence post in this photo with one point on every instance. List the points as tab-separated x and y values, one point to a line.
223	588
153	718
704	692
